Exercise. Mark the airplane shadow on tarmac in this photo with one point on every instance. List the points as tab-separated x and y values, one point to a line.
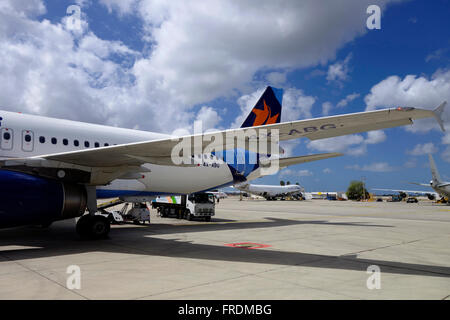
61	239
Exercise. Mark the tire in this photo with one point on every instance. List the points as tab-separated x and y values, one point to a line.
99	227
189	216
93	227
208	219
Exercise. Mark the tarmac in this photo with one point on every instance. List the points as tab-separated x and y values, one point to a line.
252	249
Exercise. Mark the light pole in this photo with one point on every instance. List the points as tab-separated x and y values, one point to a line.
363	189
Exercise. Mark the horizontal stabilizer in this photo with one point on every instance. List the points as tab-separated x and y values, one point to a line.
284	162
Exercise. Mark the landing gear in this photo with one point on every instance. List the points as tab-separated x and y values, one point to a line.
93	227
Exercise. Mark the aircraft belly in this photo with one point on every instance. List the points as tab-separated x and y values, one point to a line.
187	179
175	180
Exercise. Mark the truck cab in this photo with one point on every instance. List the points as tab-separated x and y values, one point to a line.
201	205
195	205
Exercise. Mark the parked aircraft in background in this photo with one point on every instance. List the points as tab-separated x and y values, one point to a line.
441	188
270	192
53	169
219	194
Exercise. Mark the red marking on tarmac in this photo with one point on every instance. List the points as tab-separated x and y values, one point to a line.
247	245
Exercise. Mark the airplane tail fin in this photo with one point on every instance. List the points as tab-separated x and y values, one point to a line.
434	170
267	110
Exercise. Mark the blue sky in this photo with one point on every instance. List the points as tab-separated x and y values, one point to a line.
159	66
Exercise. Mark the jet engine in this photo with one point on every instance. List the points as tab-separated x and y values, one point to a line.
431	196
26	199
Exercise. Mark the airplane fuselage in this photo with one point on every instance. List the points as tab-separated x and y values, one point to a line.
24	135
270	191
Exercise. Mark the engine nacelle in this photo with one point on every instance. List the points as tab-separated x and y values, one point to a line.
26	199
431	196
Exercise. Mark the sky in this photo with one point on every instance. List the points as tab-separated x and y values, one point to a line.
161	65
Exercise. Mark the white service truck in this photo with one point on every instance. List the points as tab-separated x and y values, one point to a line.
196	205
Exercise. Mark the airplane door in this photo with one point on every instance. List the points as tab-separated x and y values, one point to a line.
6	138
27	140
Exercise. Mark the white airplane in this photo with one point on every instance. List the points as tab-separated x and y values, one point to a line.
271	192
53	169
440	187
219	194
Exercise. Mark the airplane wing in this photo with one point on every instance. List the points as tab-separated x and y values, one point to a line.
159	151
109	163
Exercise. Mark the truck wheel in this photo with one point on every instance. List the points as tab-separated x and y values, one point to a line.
207	219
189	216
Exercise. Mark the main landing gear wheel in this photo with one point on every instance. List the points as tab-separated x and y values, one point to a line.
93	227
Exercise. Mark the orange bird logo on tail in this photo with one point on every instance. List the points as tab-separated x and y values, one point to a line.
264	116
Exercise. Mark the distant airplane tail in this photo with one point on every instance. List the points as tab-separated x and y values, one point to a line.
267	110
434	171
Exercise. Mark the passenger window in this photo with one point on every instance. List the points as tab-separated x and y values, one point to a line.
27	138
54	140
6	136
76	143
86	144
42	139
106	144
96	144
65	142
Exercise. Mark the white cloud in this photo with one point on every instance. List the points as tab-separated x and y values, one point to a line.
295	173
276	78
412	91
296	105
347	100
353	144
326	107
209	118
199	51
374	137
421	149
446	141
374	167
446	154
411	163
23	8
327	170
304	173
338	71
122	7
